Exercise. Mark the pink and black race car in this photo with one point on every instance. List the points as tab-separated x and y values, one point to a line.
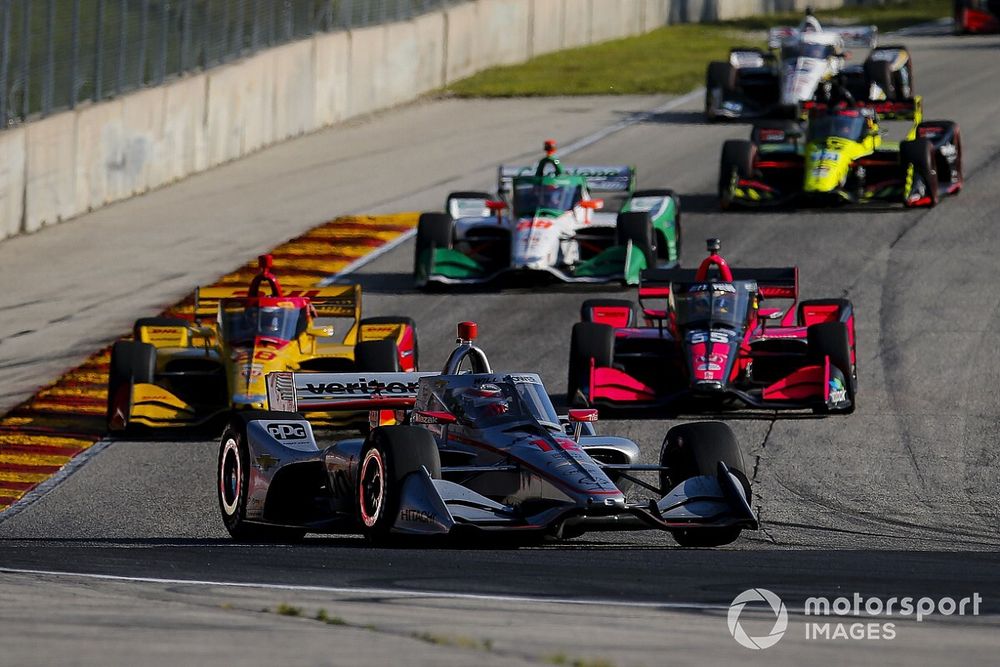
714	341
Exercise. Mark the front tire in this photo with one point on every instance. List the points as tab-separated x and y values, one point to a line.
234	484
377	356
919	153
388	456
693	450
736	163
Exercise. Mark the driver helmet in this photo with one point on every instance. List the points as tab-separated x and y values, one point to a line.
810	24
548	196
485	400
701	306
724	303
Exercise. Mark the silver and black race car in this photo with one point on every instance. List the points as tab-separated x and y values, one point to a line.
467	451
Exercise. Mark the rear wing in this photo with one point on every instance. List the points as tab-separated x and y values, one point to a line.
328	392
600	178
773	283
854	36
906	109
334	301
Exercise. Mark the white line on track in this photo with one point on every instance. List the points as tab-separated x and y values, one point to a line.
569	149
373	592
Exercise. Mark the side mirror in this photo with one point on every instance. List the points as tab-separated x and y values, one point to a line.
592	204
580	416
496	205
771	313
432	417
320	332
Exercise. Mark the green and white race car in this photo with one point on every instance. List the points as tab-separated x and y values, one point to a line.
545	220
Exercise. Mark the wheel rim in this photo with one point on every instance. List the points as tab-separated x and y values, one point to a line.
230	477
371	488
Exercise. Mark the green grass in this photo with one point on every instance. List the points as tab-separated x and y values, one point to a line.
668	60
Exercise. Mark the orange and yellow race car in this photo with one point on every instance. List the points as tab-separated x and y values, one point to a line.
181	373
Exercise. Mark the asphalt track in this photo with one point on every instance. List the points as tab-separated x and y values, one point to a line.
898	499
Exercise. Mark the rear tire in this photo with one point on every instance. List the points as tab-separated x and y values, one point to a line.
131	363
920	154
394	319
663	249
388	456
377	356
638	228
879	72
434	230
693	450
721	77
589	341
634	316
234	482
736	163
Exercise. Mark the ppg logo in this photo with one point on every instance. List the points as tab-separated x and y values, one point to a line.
287	431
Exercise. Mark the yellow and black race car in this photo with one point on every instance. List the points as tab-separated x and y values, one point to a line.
840	156
184	373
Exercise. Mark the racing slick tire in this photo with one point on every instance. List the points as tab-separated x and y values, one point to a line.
662	248
631	307
158	322
389	454
638	228
131	363
879	72
377	356
695	449
434	230
920	154
721	76
589	340
234	481
395	319
831	339
736	163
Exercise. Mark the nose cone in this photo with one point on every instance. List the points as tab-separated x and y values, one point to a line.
826	167
536	243
801	77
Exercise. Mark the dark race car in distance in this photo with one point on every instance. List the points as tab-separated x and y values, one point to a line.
714	346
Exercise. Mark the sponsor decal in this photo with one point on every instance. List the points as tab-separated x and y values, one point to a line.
715	336
287	431
416	516
838	392
363	387
524	379
265	462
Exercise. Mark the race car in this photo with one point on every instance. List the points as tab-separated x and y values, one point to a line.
545	222
840	157
702	340
801	62
977	16
185	373
467	453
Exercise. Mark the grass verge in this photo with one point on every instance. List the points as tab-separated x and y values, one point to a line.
671	59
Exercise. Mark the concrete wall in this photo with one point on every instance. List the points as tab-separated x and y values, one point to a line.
65	165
